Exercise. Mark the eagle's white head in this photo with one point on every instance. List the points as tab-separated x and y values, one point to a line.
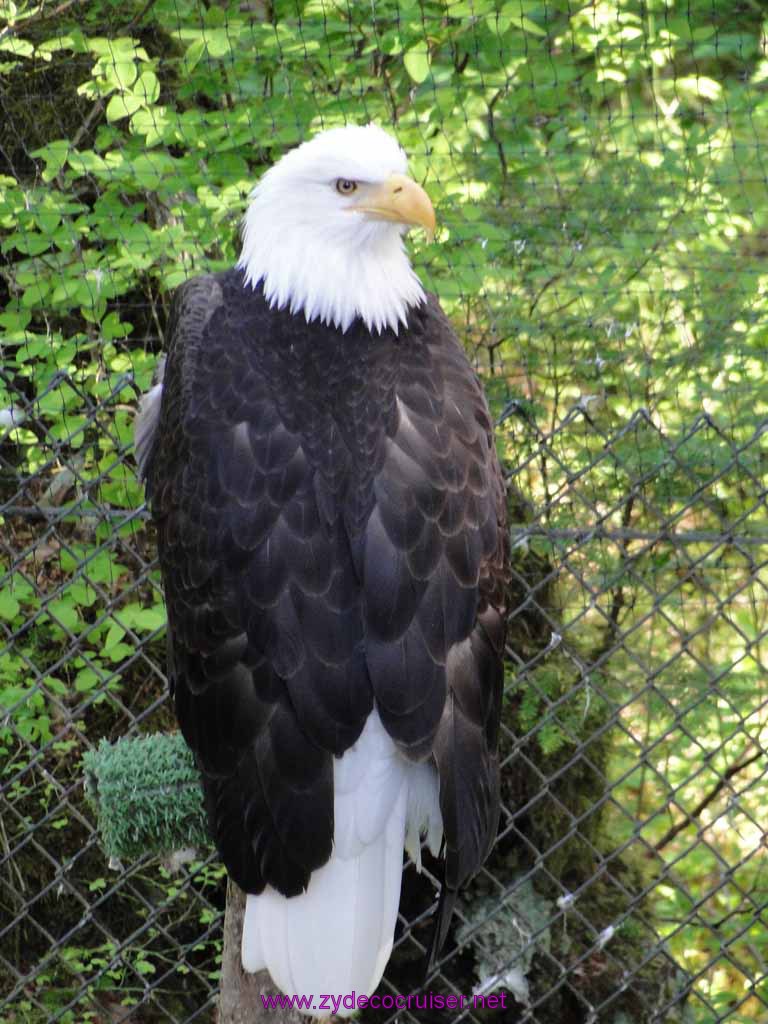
324	230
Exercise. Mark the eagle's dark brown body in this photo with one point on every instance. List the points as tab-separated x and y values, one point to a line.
332	533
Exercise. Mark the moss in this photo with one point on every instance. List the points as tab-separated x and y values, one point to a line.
40	103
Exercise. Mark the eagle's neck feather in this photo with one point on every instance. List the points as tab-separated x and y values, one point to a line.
333	277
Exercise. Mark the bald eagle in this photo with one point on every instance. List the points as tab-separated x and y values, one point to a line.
320	464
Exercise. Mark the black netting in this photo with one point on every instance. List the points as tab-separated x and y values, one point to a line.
600	180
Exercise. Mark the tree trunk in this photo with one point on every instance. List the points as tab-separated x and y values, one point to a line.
240	995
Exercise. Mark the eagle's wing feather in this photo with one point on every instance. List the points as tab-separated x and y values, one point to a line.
264	628
434	571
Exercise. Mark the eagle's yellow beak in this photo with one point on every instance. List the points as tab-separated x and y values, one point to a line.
398	199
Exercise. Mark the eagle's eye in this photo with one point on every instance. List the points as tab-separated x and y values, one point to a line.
346	187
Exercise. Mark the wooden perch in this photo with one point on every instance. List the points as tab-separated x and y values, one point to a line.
240	999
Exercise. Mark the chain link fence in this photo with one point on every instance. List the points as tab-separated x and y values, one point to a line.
599	175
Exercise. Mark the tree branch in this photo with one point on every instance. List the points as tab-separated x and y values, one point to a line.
690	818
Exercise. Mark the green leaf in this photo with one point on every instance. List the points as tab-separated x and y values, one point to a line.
218	42
114	636
86	679
700	87
35	293
118	652
123	105
64	613
119	74
31	244
531	27
19	47
194	52
147	88
152	124
79	592
417	63
9	606
112	327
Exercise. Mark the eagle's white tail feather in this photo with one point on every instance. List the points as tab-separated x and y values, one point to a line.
336	937
423	817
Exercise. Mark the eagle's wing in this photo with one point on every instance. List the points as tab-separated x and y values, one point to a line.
434	567
244	556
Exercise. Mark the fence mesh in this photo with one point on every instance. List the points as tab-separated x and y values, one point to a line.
599	174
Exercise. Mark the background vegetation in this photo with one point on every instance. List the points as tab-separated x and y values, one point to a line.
600	175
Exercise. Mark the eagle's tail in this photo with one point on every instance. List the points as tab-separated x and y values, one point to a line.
335	939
